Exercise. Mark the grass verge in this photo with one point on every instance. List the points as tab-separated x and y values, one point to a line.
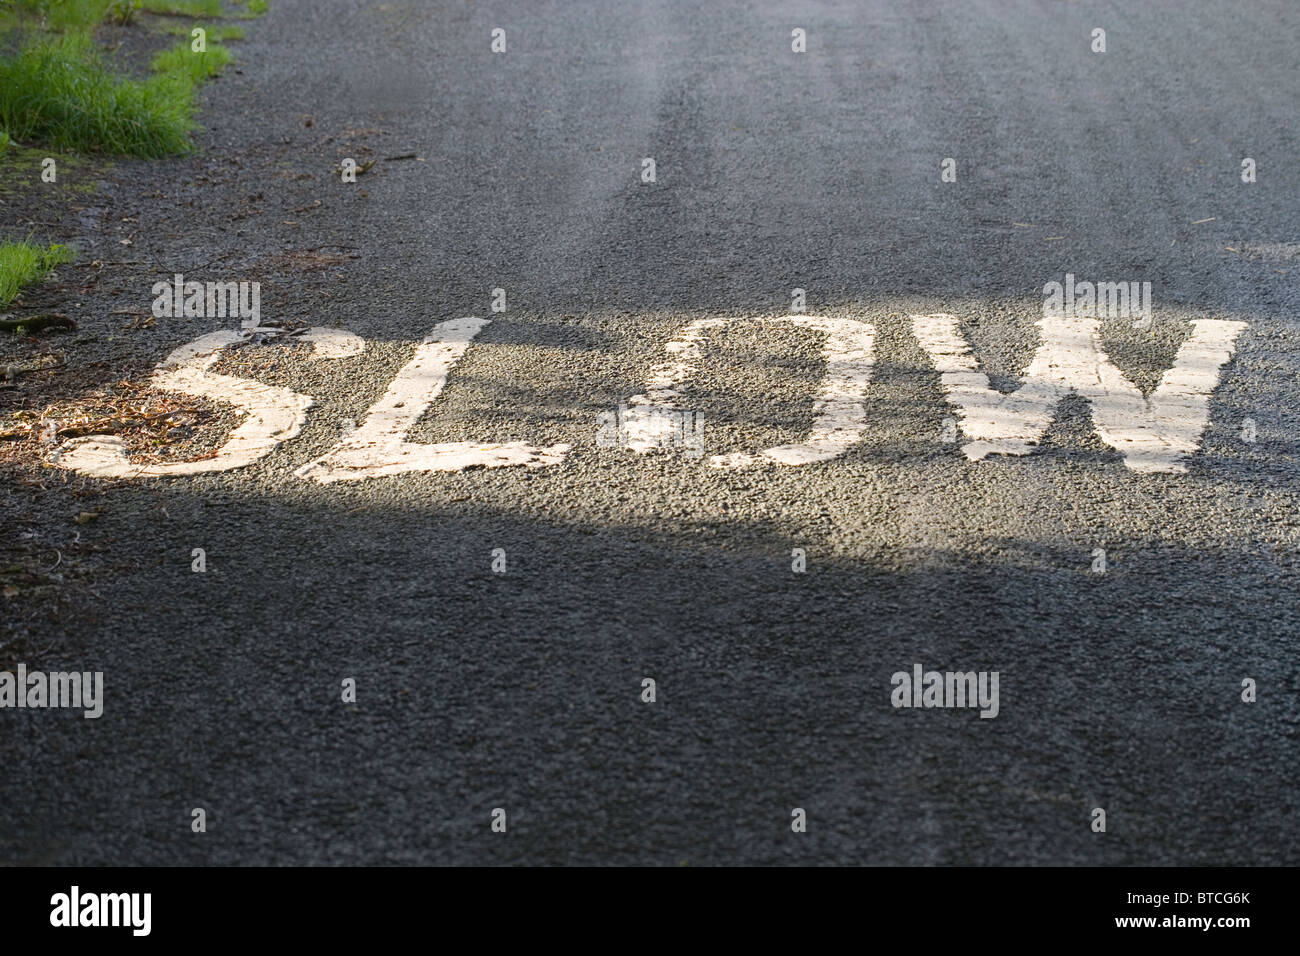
61	16
185	8
59	90
22	263
183	63
61	93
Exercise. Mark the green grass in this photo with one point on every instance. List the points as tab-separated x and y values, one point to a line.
61	93
181	61
254	8
62	16
82	16
22	263
185	8
59	90
123	12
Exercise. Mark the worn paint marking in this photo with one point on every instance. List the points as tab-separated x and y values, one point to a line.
1155	434
378	447
274	414
838	408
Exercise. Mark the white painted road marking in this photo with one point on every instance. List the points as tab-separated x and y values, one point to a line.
1155	434
274	414
332	343
379	446
840	414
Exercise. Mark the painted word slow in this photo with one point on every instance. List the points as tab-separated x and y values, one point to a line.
1155	433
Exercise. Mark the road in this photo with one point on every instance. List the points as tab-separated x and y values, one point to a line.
1120	678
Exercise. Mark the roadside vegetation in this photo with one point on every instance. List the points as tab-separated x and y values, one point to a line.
25	262
58	88
84	85
60	93
64	87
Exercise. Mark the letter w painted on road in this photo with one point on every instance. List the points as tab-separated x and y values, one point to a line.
1155	434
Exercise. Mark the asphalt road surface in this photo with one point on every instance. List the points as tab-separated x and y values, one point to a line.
1122	610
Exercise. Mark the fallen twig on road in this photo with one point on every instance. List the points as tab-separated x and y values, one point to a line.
34	323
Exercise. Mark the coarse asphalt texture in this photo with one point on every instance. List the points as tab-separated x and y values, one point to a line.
775	170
